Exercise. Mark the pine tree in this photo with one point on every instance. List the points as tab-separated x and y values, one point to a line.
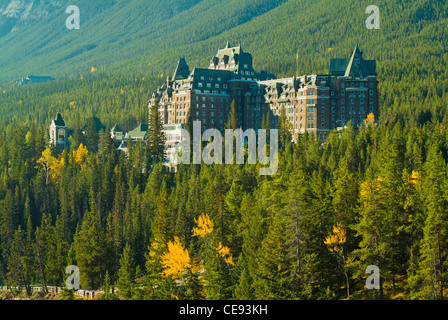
92	137
155	145
126	275
274	274
232	118
430	279
21	261
90	248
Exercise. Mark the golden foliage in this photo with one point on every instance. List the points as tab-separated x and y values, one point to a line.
225	253
370	186
370	120
51	165
177	260
205	226
57	167
337	239
80	156
46	162
415	176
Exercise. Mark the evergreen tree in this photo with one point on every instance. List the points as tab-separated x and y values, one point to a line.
92	137
91	250
126	275
21	261
430	279
155	145
232	118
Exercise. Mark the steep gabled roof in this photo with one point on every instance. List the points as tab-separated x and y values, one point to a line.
140	132
182	71
59	121
357	66
116	128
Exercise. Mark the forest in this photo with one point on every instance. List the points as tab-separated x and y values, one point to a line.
376	197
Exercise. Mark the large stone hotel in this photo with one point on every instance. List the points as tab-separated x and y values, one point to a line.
316	103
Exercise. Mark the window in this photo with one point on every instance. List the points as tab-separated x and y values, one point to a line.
343	85
200	84
342	109
343	101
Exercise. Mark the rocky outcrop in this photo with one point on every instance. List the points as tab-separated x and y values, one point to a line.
25	11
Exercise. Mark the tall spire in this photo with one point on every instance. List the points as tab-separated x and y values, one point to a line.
182	71
354	65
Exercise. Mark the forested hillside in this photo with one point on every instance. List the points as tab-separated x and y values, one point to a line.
134	39
309	232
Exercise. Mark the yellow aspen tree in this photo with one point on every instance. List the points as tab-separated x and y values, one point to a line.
80	156
176	260
205	226
46	163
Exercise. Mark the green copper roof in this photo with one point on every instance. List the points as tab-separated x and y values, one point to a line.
140	132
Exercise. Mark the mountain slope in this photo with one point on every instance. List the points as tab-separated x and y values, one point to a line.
147	37
116	34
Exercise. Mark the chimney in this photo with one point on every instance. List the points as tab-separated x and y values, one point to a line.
168	82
